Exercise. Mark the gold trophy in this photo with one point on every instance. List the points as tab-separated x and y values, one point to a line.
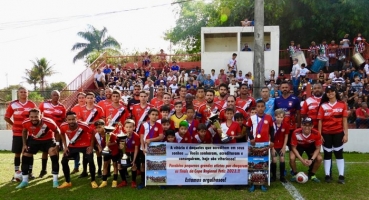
122	137
108	130
213	119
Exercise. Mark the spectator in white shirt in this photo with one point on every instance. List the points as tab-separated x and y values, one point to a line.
247	80
303	71
150	84
295	73
173	87
366	67
213	76
99	79
233	63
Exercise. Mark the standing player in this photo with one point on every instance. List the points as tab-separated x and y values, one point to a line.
167	101
311	105
245	101
223	94
200	98
158	100
136	97
19	110
182	95
332	125
231	103
269	102
192	122
230	127
56	111
140	111
203	135
309	140
38	135
108	94
81	141
116	113
178	116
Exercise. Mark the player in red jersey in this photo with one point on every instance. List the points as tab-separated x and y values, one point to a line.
140	111
230	127
158	100
183	136
310	106
192	122
332	125
231	103
150	131
38	135
200	98
203	135
280	141
309	140
223	94
81	98
19	110
81	141
56	111
136	97
116	113
167	101
104	103
182	96
245	101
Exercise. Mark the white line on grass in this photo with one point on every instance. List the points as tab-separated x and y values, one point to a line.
293	191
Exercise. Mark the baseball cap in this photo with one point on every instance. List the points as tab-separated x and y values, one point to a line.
307	120
162	81
330	88
183	123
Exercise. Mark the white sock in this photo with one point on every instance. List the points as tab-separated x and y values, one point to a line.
25	178
55	177
340	166
327	167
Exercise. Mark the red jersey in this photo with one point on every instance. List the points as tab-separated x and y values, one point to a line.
197	103
207	139
246	104
54	112
132	142
78	110
91	115
260	126
45	131
232	131
186	138
149	131
222	103
114	149
360	113
140	114
81	137
192	129
203	111
157	102
114	115
310	107
20	112
331	116
104	103
299	139
279	134
222	116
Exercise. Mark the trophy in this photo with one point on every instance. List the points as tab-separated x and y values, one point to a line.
214	120
108	130
122	137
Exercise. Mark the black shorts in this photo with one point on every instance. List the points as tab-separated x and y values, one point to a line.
39	145
333	140
99	83
17	144
74	152
131	156
114	158
278	152
309	150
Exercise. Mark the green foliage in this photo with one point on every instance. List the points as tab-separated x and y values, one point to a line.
300	20
6	93
56	86
35	96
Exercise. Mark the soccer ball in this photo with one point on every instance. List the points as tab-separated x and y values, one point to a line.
18	176
301	177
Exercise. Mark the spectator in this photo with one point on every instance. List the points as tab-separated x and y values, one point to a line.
357	85
247	80
366	89
201	77
208	83
150	84
303	71
99	79
222	76
295	76
175	68
246	47
107	71
362	115
233	64
182	79
171	78
191	84
213	76
111	82
366	68
100	96
267	47
173	87
162	59
146	60
239	77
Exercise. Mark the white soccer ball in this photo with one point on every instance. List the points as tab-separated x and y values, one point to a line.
301	177
18	176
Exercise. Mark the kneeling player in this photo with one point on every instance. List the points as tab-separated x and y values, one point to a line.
203	135
306	139
38	135
81	141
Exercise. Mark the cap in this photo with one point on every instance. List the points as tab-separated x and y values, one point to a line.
330	88
183	123
162	81
307	120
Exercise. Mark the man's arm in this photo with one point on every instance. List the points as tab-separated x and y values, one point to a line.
7	119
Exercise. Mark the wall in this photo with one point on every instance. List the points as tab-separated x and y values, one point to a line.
357	140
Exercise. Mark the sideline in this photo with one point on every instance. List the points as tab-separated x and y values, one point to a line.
293	191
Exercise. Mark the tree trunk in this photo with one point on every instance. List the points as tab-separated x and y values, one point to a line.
259	77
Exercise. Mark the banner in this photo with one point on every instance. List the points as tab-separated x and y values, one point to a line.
197	164
259	164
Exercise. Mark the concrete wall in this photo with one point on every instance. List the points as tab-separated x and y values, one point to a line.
357	140
213	58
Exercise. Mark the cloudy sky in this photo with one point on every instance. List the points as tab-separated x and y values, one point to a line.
48	28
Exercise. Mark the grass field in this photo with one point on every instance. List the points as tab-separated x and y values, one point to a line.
355	188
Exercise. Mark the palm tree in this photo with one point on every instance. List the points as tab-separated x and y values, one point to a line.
96	40
31	77
42	69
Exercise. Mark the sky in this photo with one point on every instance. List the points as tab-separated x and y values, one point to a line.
31	29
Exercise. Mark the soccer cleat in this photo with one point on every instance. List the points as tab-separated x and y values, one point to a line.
315	179
263	188
122	184
103	184
22	185
328	179
55	184
94	184
65	185
42	174
83	175
114	184
133	184
341	179
283	180
293	178
74	171
252	188
141	186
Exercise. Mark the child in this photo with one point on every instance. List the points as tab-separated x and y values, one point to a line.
203	135
183	136
170	136
260	129
113	156
178	115
230	127
164	112
239	118
193	123
253	111
132	144
280	141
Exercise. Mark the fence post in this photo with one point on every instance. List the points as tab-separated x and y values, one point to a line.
14	95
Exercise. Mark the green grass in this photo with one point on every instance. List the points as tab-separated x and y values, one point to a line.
355	188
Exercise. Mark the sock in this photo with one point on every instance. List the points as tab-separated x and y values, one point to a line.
99	164
84	163
341	166
327	167
104	177
17	161
273	169
115	177
25	178
282	168
55	177
143	178
30	166
54	164
44	163
122	175
134	175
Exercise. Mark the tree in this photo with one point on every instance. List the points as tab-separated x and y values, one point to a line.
42	69
32	77
96	40
56	86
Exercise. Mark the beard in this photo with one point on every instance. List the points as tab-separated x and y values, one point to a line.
318	94
222	95
35	122
210	100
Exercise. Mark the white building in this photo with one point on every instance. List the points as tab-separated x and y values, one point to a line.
219	43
